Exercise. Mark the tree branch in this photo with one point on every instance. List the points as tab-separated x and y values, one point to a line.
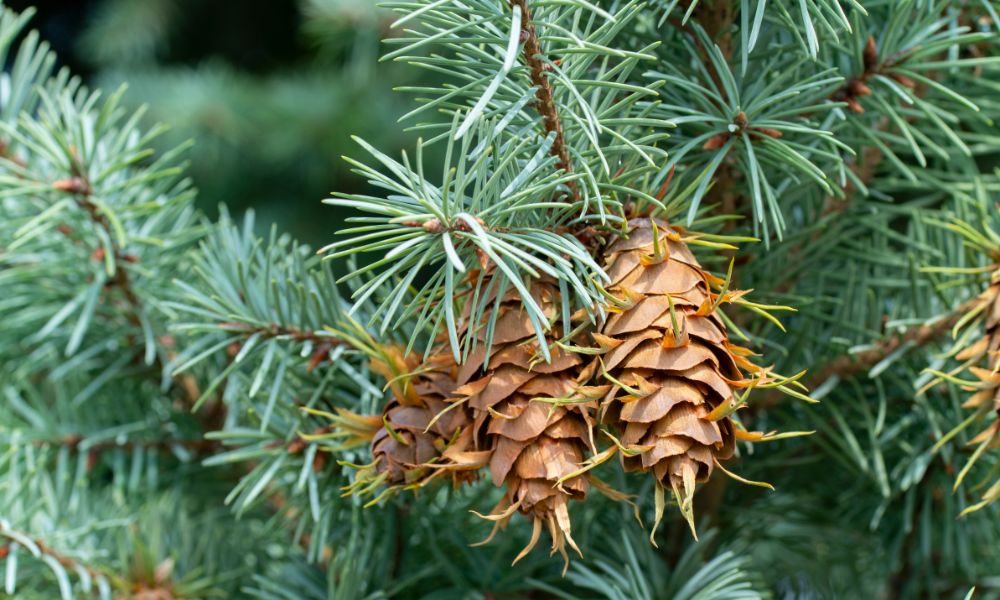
81	190
545	104
73	442
323	343
44	549
79	186
849	365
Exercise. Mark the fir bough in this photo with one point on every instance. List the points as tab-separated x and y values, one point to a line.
187	404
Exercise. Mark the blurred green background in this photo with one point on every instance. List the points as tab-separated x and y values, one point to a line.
270	91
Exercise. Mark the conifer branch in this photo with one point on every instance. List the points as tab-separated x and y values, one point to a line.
74	442
323	342
850	93
275	330
39	548
545	103
849	365
81	190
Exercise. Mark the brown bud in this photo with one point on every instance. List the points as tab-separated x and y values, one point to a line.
870	54
4	551
433	226
92	457
903	80
319	356
740	120
771	133
65	229
73	185
472	276
666	185
484	259
462	225
859	88
855	106
98	254
297	445
716	141
319	461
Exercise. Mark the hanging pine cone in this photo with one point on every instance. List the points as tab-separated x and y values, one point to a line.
986	352
982	360
669	353
535	417
420	436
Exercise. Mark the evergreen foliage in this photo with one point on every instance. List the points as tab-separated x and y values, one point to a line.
184	401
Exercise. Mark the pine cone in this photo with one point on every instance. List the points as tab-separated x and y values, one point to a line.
670	355
420	435
535	418
986	352
982	360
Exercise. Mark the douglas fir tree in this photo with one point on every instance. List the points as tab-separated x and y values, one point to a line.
636	244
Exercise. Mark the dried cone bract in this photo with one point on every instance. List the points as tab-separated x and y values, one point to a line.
536	419
669	351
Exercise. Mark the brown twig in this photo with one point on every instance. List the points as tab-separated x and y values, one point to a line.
74	443
545	103
323	343
80	187
716	19
46	550
849	365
